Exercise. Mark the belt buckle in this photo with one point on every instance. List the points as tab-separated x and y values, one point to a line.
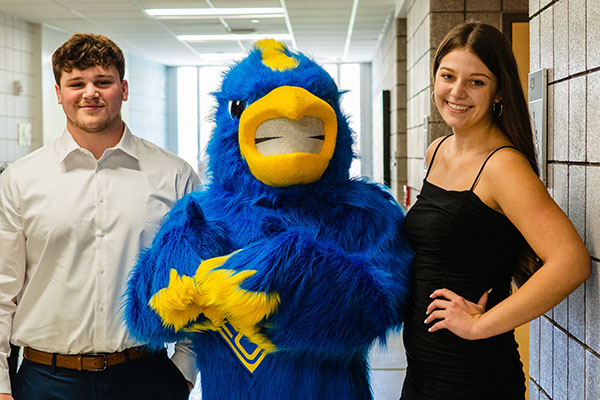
103	355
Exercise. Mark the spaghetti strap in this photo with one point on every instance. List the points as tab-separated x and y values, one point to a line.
485	162
434	153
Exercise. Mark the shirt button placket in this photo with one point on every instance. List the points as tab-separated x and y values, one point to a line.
101	243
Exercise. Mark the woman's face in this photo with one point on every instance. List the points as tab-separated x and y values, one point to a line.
464	90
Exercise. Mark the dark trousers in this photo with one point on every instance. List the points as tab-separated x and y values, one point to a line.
149	377
13	361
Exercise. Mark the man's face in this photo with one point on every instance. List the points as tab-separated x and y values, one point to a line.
92	98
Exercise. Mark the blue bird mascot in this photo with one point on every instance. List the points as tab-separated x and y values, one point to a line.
283	270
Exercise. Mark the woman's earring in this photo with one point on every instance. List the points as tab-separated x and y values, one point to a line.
433	97
497	108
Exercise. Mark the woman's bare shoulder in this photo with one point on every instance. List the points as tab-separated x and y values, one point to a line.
431	149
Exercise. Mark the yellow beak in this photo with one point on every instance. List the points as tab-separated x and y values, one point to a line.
288	137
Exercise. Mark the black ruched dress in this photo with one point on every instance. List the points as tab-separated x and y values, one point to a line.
463	245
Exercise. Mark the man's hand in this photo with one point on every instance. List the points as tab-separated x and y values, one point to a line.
5	396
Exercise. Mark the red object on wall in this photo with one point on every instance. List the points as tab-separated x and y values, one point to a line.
406	196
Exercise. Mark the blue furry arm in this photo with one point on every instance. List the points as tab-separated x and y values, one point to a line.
333	302
184	240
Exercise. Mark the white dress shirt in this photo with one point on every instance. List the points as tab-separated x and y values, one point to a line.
71	228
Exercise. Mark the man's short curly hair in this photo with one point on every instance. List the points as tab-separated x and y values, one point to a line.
86	50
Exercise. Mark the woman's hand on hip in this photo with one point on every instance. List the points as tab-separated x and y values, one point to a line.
456	314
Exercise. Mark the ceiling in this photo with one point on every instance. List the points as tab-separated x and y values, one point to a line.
328	30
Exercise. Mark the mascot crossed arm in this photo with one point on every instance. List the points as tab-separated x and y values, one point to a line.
283	271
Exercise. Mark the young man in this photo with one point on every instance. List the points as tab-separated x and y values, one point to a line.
73	217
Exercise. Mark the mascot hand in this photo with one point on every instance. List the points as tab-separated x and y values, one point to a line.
183	300
243	309
216	293
178	303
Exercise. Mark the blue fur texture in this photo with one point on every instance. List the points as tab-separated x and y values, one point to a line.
334	250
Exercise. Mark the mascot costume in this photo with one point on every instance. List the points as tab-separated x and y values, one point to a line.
283	271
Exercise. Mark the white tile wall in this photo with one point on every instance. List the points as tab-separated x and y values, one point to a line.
561	121
560	364
577	119
576	372
593	117
534	6
593	212
574	136
546	36
534	43
17	62
389	73
593	35
417	13
577	36
148	100
561	39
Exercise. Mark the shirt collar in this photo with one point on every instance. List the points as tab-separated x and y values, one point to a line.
65	145
127	144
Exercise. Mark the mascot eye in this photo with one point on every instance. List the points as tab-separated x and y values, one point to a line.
236	107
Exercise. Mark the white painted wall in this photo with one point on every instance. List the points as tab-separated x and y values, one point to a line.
53	118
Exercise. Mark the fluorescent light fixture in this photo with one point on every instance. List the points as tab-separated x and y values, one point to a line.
263	12
233	37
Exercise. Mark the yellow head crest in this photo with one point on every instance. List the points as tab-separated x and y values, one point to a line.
273	55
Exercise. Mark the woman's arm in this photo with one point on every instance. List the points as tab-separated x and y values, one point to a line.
510	183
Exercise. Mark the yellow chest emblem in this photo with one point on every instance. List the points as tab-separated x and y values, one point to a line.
248	353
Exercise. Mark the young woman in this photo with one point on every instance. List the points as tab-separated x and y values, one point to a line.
483	217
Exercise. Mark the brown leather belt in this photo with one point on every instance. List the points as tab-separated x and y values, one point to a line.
84	362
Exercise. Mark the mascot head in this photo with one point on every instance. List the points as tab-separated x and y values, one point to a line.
279	128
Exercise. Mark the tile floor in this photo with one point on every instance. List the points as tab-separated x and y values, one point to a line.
388	367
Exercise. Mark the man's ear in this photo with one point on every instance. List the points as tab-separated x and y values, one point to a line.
125	86
57	88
